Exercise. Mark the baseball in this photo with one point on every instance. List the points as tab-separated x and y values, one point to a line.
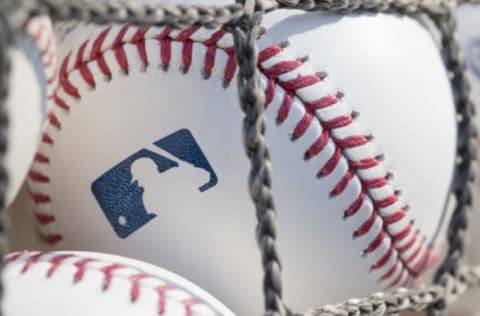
86	283
31	78
145	154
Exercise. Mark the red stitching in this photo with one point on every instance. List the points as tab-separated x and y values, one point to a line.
352	141
83	264
373	183
187	48
53	120
38	29
285	108
321	103
409	244
343	183
47	139
282	68
318	145
38	177
230	67
96	54
59	102
52	239
376	242
39	198
165	46
189	303
342	144
386	202
414	254
44	219
67	86
135	289
108	273
139	40
363	164
268	53
392	270
355	206
390	273
161	291
397	280
56	262
83	68
273	78
31	261
209	61
338	122
12	257
423	261
119	52
366	226
300	82
386	257
38	33
402	235
269	92
302	126
331	163
395	217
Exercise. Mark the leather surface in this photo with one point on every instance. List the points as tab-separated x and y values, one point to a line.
26	104
85	283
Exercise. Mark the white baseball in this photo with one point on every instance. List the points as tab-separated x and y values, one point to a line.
32	75
146	157
87	283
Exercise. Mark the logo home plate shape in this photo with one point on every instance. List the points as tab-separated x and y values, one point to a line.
120	192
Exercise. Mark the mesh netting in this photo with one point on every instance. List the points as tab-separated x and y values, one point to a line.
242	19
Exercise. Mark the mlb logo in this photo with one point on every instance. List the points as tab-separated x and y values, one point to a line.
121	191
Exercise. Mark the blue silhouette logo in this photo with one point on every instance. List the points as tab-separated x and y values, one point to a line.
120	193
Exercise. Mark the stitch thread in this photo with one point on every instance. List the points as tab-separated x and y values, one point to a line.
82	264
41	35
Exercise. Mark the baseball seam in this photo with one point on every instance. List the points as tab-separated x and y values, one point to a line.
139	280
41	33
402	253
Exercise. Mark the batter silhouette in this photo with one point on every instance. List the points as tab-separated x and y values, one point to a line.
130	194
171	185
